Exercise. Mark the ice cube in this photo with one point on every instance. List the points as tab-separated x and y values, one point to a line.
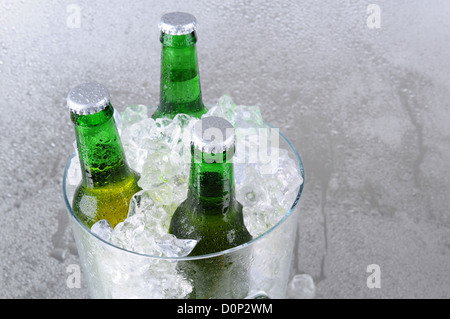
301	287
224	109
248	117
139	202
74	171
253	189
260	294
139	139
133	235
159	168
133	114
170	246
146	228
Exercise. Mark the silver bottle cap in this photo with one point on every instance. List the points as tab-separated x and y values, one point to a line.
88	98
178	23
213	135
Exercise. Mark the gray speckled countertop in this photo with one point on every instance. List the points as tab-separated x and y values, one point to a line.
361	93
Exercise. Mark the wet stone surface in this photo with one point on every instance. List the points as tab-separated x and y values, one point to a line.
366	108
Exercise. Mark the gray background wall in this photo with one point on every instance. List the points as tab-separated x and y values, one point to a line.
367	109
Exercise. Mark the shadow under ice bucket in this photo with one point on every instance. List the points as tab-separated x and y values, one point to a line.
259	268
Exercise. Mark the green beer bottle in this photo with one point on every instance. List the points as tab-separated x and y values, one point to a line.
107	183
211	214
180	82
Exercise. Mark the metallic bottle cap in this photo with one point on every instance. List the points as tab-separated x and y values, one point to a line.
213	135
177	23
88	98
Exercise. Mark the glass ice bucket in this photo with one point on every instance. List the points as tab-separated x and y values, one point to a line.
260	268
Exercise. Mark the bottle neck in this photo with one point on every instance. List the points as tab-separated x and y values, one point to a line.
211	182
100	150
180	90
